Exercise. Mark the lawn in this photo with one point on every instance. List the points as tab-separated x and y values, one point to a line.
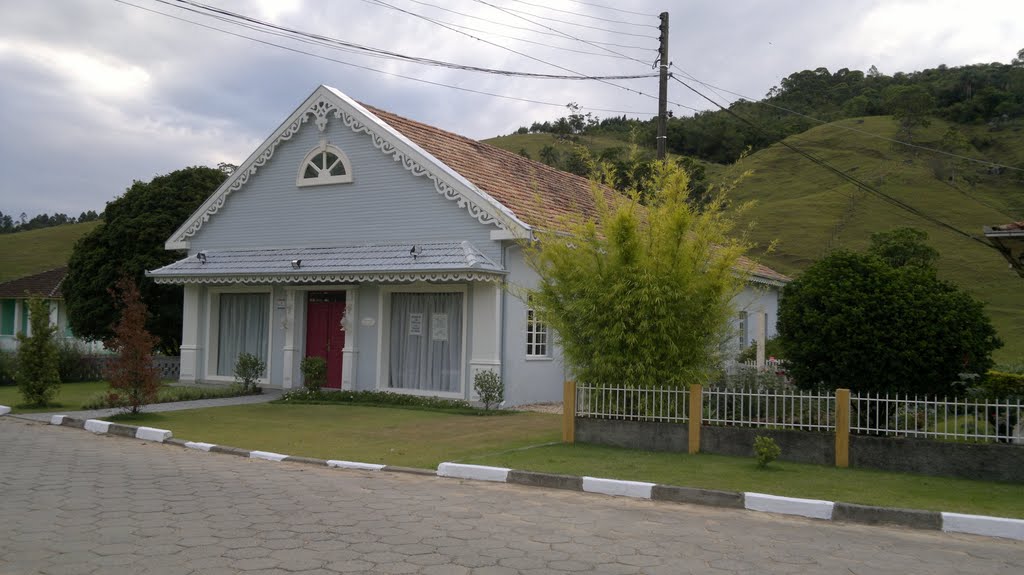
862	486
70	397
404	437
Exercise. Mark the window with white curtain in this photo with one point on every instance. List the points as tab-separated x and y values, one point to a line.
244	328
536	333
425	340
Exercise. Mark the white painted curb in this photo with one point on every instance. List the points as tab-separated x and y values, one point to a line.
199	445
153	434
57	419
813	508
618	487
982	525
4	410
268	455
354	465
478	472
97	425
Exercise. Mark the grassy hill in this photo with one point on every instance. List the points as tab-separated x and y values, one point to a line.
808	211
533	143
34	251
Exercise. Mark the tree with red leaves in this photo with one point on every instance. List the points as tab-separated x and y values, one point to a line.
134	381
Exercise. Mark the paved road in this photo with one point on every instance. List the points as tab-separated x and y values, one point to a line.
73	502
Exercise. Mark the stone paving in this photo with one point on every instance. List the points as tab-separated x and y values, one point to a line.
73	502
267	396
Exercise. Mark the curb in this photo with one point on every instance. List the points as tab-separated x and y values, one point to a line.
4	410
983	525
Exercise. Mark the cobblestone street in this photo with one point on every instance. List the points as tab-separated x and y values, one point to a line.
74	502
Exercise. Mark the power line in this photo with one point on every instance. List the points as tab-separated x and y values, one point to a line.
292	33
598	28
517	39
614	9
581	14
855	181
463	14
848	128
361	67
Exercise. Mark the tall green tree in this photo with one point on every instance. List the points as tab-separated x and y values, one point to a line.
128	242
640	296
883	321
38	375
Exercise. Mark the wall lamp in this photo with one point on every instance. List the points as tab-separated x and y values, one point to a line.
296	264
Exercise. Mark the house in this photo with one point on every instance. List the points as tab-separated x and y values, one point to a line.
386	246
14	296
1009	240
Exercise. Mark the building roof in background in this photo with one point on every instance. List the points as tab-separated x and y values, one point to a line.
45	285
1013	228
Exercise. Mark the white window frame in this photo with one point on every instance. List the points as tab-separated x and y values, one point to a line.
535	327
324	177
213	331
384	336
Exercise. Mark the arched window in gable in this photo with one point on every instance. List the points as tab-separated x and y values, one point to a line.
325	164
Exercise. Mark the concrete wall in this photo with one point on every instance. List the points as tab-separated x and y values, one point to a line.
983	461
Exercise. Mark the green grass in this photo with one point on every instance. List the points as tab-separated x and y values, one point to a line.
34	251
533	143
864	486
70	397
405	437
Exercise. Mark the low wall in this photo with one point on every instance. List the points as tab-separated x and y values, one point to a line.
984	461
95	366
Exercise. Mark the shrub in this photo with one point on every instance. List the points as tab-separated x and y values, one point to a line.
134	381
248	369
489	388
766	450
384	398
8	368
167	394
314	373
998	385
38	377
73	363
772	348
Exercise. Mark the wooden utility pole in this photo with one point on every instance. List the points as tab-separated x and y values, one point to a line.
663	87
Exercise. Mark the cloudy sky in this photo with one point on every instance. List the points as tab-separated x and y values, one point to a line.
98	93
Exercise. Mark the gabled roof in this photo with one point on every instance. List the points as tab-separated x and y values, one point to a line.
433	261
45	285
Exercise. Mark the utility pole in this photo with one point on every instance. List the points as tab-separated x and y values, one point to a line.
663	87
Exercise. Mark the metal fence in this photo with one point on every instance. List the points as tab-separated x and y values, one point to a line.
95	366
618	402
769	408
946	419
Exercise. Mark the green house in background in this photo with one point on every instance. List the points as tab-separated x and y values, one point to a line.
14	297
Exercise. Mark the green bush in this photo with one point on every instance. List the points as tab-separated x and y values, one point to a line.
168	394
383	398
248	370
38	377
73	363
489	388
766	450
314	373
8	368
772	348
998	385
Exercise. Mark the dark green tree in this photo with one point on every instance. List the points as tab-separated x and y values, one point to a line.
910	105
854	321
903	247
128	242
38	377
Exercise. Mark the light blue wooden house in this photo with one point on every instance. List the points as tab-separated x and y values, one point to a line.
386	246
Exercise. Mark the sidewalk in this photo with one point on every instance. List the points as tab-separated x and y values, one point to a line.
267	396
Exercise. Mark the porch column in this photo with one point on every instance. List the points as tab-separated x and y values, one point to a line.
288	323
349	352
190	350
762	330
485	333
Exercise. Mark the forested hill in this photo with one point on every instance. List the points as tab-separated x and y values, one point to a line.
969	112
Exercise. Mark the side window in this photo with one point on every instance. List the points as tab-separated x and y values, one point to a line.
536	333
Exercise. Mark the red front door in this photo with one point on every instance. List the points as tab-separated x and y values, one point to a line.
325	336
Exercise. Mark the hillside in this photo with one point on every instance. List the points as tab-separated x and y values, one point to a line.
34	251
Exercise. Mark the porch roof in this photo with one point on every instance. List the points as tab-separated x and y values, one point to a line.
426	261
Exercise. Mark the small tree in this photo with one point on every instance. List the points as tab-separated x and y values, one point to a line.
134	380
489	388
766	450
38	372
314	373
248	370
640	295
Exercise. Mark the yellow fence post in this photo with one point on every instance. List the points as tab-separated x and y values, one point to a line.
569	412
696	412
842	428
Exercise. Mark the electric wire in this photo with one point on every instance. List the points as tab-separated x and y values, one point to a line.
847	128
307	37
598	28
581	14
367	68
855	181
495	22
595	5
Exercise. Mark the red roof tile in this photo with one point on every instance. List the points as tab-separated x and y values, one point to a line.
536	193
45	285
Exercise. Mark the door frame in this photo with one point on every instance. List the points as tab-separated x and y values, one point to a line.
295	333
384	334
